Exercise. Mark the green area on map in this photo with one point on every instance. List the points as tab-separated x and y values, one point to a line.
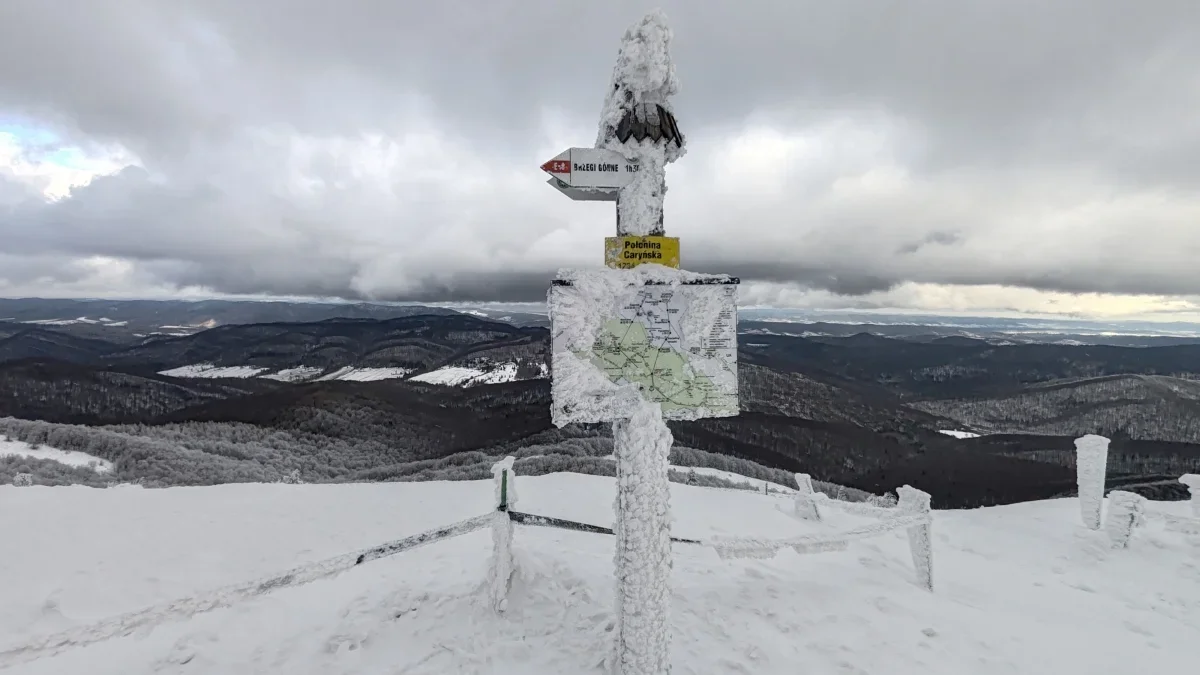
625	352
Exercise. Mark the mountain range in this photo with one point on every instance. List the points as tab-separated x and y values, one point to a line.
862	410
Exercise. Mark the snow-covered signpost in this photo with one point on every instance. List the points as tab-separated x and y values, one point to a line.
642	341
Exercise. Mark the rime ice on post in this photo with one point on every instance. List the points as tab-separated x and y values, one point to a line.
638	121
806	506
1091	464
505	490
1192	481
920	537
1126	511
643	553
500	567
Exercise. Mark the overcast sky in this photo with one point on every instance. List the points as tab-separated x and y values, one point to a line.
939	155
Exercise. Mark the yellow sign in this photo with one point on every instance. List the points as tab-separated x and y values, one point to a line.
625	253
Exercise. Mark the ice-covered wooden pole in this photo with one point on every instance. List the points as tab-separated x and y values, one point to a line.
920	537
1192	481
638	122
1126	511
643	554
806	504
1091	462
500	567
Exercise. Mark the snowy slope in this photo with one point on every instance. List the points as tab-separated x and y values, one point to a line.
1021	589
958	434
459	376
352	374
209	371
68	457
456	376
298	374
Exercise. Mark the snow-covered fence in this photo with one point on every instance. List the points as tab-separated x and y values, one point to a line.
185	608
806	504
1091	462
500	567
1126	511
913	513
915	503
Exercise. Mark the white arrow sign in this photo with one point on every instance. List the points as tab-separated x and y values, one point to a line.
584	195
592	168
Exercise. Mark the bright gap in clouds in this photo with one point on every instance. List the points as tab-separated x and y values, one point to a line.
40	161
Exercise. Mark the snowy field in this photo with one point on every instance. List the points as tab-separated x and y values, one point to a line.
1020	589
453	376
68	457
457	376
958	434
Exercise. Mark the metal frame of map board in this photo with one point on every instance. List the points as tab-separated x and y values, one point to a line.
593	410
716	281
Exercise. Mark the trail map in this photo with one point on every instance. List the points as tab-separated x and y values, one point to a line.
677	343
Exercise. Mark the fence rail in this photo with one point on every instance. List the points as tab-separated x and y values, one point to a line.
909	514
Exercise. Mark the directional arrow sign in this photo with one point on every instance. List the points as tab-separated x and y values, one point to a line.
582	195
591	168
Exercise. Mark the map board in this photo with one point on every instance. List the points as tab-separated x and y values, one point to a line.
677	342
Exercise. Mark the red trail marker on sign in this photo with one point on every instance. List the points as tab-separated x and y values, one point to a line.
557	166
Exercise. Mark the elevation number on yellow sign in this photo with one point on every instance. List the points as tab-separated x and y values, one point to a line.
628	252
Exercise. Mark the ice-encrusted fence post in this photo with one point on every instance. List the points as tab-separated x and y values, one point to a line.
1091	464
920	537
642	444
1126	511
1192	481
806	504
500	567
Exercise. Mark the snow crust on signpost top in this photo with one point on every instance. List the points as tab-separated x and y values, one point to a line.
643	76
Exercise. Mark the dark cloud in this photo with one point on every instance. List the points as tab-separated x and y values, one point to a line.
388	150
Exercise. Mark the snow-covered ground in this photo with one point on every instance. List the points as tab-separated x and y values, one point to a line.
68	457
351	374
299	374
102	321
459	376
209	371
454	376
1020	589
958	434
756	483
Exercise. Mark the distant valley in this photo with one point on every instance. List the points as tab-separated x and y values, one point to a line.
437	392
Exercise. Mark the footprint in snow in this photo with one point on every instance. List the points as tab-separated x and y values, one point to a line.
1134	628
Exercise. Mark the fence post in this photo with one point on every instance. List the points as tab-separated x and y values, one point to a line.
806	504
1126	511
1192	481
500	567
1091	464
920	537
